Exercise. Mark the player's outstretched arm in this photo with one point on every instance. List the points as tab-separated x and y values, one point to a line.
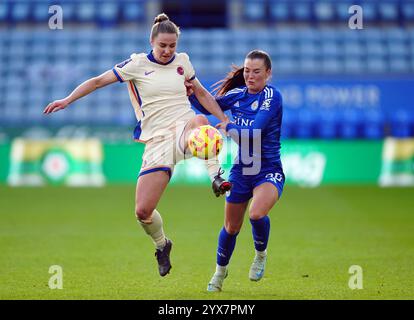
207	101
82	90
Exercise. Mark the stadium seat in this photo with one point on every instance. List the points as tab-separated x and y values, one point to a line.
302	12
350	124
324	11
397	49
388	11
14	112
399	65
254	10
395	34
370	11
374	123
289	124
108	13
309	65
353	49
285	65
401	124
376	65
41	12
326	127
86	11
308	49
279	11
331	65
330	49
375	49
341	10
20	12
69	11
407	11
4	11
306	121
133	12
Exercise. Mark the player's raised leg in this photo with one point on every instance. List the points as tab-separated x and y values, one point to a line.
149	189
234	213
264	198
219	185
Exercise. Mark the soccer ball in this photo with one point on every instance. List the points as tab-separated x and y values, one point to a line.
205	142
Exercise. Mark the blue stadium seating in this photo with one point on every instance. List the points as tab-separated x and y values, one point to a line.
32	61
133	13
111	12
255	10
20	11
41	13
302	12
327	125
324	11
279	12
374	124
306	124
402	123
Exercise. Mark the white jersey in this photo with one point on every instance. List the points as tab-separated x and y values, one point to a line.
157	92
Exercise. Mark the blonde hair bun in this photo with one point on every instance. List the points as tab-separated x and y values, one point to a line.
160	18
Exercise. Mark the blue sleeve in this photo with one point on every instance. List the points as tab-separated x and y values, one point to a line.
268	109
222	102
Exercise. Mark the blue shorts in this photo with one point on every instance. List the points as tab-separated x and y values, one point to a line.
243	185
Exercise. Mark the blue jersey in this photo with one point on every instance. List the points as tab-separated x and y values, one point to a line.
252	112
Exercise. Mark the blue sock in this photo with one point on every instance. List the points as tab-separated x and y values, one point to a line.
260	230
226	244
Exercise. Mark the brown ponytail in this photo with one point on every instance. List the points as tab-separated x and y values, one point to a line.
163	24
234	79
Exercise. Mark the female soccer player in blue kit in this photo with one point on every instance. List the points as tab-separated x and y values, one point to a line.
257	173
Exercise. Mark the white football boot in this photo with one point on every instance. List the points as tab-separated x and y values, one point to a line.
216	282
258	267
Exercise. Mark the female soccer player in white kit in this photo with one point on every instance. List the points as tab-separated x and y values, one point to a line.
165	119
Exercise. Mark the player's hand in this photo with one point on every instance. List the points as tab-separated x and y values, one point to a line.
189	87
222	125
56	106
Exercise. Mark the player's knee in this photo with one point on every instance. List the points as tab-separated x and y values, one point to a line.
231	228
256	215
201	120
143	214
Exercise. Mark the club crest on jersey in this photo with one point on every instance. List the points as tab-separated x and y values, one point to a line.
266	105
255	105
180	70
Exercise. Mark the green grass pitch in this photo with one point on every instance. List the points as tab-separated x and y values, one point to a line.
316	235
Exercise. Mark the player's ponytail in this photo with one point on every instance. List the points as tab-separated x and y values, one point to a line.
163	24
235	78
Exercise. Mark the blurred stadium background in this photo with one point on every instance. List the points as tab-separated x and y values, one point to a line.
337	83
348	107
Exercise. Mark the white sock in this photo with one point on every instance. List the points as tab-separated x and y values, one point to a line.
213	167
220	269
155	230
261	254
